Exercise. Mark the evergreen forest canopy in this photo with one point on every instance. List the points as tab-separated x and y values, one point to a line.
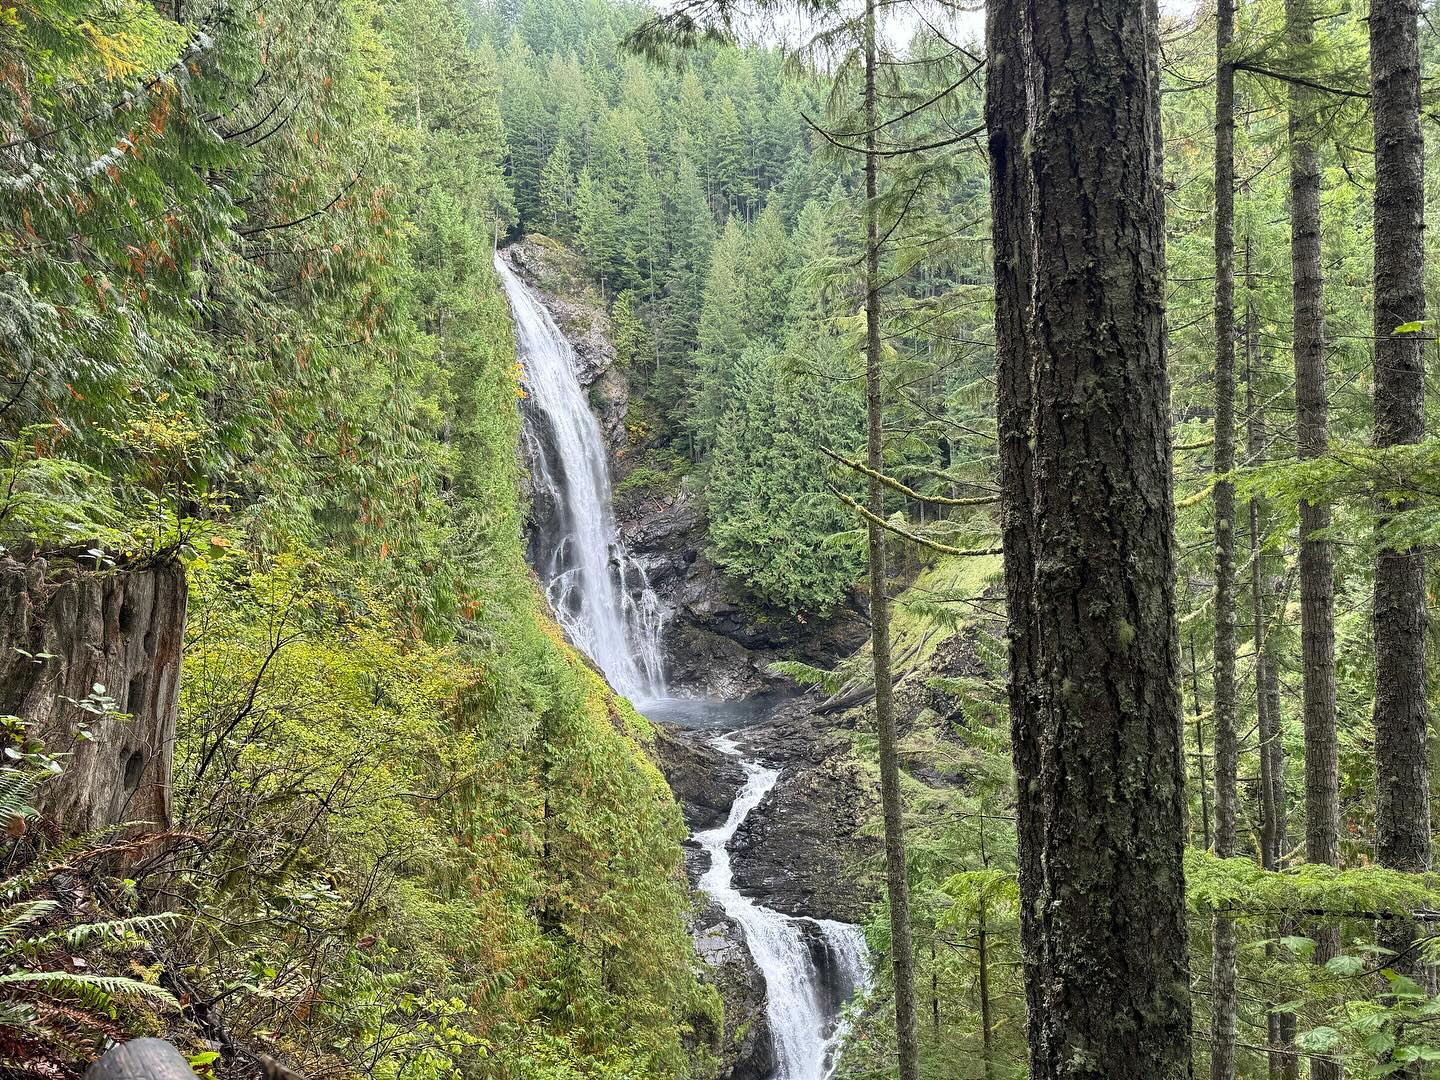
887	308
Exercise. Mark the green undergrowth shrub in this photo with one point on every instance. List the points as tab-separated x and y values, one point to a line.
423	860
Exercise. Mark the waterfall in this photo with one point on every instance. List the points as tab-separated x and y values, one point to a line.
607	608
803	999
602	599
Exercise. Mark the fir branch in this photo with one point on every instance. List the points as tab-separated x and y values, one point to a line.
914	538
896	485
1298	80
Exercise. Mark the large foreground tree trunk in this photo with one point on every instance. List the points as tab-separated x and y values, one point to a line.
1402	810
1085	431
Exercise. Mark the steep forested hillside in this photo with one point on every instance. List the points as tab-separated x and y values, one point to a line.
725	230
250	326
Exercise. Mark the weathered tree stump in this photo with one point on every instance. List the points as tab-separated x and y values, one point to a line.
65	627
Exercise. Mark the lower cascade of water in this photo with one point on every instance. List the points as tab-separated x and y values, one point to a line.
804	992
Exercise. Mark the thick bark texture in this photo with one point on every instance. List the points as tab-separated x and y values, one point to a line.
121	629
896	878
1009	113
1317	571
1222	968
1402	805
1088	518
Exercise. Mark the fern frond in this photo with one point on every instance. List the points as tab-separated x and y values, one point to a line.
16	788
948	616
96	991
806	675
21	915
75	936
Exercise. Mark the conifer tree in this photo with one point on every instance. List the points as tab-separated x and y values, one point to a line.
691	237
1317	574
1084	421
1222	979
1402	816
897	880
596	229
557	192
721	336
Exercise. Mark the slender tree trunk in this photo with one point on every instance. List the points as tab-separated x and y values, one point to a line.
1264	574
1402	805
1200	747
1090	570
1267	698
934	990
896	879
1284	1064
1222	969
1317	573
987	1036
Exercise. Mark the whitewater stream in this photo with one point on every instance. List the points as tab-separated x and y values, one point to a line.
804	994
607	608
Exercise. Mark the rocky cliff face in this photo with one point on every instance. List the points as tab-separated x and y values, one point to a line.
722	641
555	272
747	1047
803	847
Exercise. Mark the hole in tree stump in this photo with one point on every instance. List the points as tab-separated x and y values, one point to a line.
134	767
135	695
127	615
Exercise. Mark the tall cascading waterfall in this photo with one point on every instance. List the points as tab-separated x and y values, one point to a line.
811	966
602	599
804	991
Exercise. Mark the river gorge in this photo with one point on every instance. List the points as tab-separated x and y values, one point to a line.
786	993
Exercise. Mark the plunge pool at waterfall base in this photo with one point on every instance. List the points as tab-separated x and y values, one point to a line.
812	967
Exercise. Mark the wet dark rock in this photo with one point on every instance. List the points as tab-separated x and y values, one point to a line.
558	278
835	986
802	848
712	665
703	780
747	1047
721	641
